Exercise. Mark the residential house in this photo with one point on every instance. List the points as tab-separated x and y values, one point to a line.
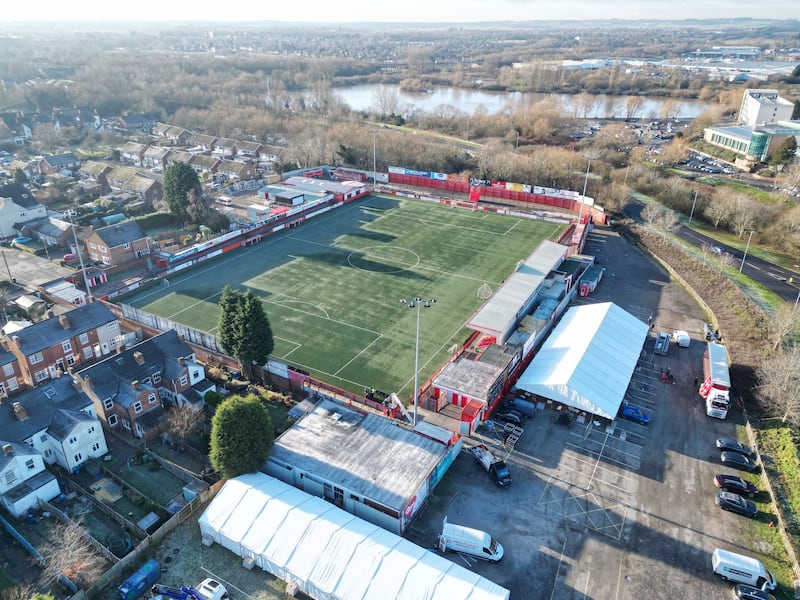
46	350
118	245
73	116
117	176
14	128
251	150
52	232
132	153
93	175
10	373
131	390
233	169
204	164
202	142
59	163
154	157
175	156
175	135
271	153
225	147
23	478
143	187
17	205
136	123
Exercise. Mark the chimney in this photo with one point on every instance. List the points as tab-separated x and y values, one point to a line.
181	360
138	357
15	339
50	314
8	450
20	411
135	384
63	321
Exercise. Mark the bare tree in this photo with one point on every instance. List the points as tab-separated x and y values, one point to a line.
387	101
69	553
727	260
785	324
651	213
779	388
668	221
743	215
717	211
632	106
183	420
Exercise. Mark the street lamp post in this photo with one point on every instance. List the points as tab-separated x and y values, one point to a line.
691	214
746	248
374	133
417	303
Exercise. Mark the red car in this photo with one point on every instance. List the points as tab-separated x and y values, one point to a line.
734	483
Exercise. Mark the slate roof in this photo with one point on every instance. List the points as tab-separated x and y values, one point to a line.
112	377
6	357
120	233
50	226
49	332
60	160
64	422
40	403
18	449
19	194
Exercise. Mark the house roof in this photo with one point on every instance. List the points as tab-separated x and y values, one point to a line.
19	195
226	143
120	233
208	162
121	173
64	422
249	147
202	138
231	166
94	168
49	332
133	148
178	156
157	151
112	377
50	226
60	160
17	449
40	404
139	183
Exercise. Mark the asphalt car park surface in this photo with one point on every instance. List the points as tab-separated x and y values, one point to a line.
625	511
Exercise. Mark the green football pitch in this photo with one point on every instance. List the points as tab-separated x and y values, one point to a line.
332	287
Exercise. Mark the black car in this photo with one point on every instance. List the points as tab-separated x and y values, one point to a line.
734	483
511	416
748	592
735	503
731	445
738	461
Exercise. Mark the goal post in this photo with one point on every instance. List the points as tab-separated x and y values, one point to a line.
485	292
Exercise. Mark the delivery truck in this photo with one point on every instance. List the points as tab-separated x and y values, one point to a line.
497	469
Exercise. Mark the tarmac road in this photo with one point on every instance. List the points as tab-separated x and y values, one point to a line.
773	277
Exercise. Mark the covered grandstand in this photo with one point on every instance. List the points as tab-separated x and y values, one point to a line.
587	361
329	553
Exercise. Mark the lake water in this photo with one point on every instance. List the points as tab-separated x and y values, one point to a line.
364	97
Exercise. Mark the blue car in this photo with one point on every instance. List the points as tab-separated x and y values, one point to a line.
635	414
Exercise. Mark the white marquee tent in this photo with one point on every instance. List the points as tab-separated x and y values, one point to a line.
588	359
329	553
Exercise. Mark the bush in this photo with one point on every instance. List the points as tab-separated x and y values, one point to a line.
155	220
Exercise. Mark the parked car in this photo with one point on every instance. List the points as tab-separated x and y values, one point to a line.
738	461
742	591
635	414
731	445
735	503
511	416
734	483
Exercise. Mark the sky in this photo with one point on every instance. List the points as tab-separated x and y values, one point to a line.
386	11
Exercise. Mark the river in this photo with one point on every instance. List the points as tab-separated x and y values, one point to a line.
364	98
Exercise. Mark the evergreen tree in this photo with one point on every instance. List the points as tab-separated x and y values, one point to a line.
228	334
244	329
19	176
786	152
179	179
241	436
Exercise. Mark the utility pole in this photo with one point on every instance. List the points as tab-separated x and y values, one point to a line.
746	248
691	214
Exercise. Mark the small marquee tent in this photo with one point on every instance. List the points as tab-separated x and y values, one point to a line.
327	552
587	361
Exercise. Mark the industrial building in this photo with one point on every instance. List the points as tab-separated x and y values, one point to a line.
364	463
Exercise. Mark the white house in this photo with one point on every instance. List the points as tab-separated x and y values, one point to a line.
23	478
17	205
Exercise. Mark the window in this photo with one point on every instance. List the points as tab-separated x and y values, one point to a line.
112	420
146	381
90	430
94	256
11	477
92	245
126	424
66	346
71	360
87	352
184	380
84	338
111	326
108	404
156	378
12	384
95	447
73	439
30	464
8	370
106	260
48	453
41	375
137	407
43	439
78	458
127	245
36	358
2	389
151	398
102	249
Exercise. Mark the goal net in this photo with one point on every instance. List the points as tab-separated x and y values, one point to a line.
484	292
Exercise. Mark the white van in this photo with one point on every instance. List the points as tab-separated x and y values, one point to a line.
225	200
466	540
743	569
681	338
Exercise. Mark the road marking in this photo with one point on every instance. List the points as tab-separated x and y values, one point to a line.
558	570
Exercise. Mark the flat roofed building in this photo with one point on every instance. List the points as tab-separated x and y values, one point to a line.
364	463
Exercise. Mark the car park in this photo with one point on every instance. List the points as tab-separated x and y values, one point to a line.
742	591
738	461
637	415
736	504
731	445
734	483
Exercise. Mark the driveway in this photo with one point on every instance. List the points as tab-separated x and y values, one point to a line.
30	270
619	512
